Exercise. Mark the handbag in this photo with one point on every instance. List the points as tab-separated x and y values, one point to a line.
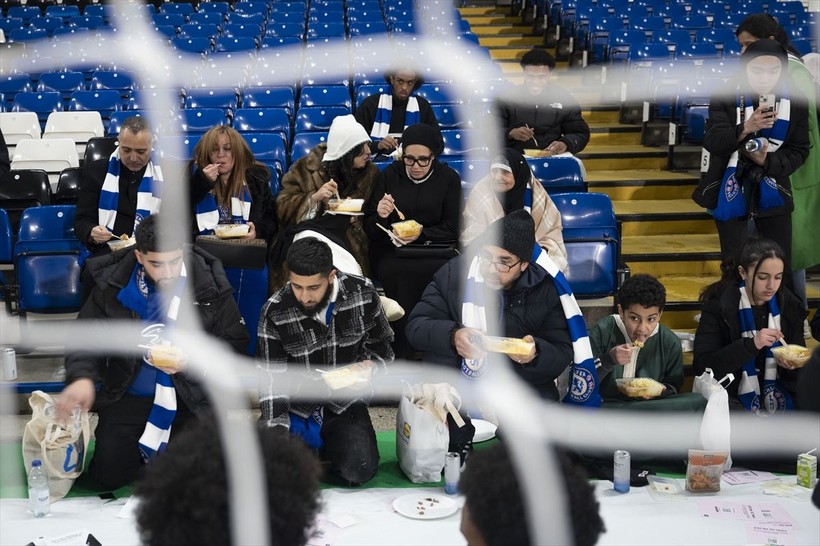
443	250
715	427
241	253
61	447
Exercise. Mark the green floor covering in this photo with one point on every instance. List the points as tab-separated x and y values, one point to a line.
13	476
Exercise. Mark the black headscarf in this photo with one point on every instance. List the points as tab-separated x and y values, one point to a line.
425	135
514	198
765	47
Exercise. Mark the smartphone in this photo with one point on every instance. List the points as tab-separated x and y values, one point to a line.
767	102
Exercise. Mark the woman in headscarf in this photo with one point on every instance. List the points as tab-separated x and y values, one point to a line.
342	165
740	184
422	189
511	186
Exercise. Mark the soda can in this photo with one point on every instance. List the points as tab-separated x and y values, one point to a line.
754	144
806	470
452	472
9	358
621	471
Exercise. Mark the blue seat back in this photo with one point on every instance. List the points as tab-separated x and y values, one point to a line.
558	174
269	97
317	118
269	148
6	238
263	120
592	241
41	103
226	99
303	143
325	95
365	90
470	170
199	120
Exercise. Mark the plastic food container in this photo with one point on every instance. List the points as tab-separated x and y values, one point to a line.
122	242
408	228
231	231
346	376
345	205
640	387
508	345
796	355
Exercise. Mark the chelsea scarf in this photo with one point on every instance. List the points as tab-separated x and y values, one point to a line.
148	193
731	202
207	211
381	125
135	296
775	398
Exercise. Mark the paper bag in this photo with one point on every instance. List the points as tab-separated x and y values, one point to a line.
60	447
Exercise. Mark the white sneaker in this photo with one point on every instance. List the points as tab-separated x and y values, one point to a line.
806	329
392	309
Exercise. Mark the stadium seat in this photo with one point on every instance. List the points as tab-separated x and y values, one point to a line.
240	30
456	142
174	19
263	120
446	115
181	8
269	148
40	103
280	29
23	13
68	187
592	241
49	24
225	99
21	190
208	17
239	43
99	148
104	101
11	84
317	118
78	126
333	29
199	120
92	22
193	45
64	83
269	97
52	156
558	174
26	34
64	11
221	8
437	93
365	90
254	18
303	143
269	42
180	147
6	242
17	126
470	170
112	79
325	95
46	258
200	30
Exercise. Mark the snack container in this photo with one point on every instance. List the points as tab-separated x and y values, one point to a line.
345	376
118	243
704	470
345	205
231	231
166	356
508	345
796	355
806	470
408	228
640	387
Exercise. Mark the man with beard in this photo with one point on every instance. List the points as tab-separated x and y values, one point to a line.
321	320
445	323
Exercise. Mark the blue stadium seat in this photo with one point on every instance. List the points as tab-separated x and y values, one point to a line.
226	99
26	34
241	30
252	7
437	93
334	29
197	121
558	174
278	41
446	115
6	241
238	43
269	148
180	147
166	18
592	240
41	103
199	30
64	11
117	80
92	22
23	13
263	120
470	170
317	118
363	28
193	45
181	8
104	101
365	90
46	258
650	23
21	190
291	28
220	8
49	24
697	51
621	43
207	17
269	97
455	142
169	31
65	82
325	95
11	84
303	143
145	99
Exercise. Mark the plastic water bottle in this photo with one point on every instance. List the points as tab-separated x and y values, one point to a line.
38	490
755	144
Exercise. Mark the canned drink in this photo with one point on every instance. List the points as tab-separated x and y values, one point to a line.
754	144
806	470
452	472
9	358
621	471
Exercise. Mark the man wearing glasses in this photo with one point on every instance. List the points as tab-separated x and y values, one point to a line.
540	115
497	275
385	116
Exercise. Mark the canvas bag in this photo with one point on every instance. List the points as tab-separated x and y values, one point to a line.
715	428
422	436
61	448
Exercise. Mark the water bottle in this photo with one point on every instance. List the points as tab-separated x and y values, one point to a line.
754	144
38	490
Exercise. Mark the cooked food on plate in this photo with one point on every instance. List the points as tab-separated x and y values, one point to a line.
640	387
796	355
231	231
345	205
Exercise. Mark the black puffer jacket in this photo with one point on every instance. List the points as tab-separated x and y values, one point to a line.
721	141
218	314
531	307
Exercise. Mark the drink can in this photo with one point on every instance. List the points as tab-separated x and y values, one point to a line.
621	471
452	472
754	144
9	358
806	470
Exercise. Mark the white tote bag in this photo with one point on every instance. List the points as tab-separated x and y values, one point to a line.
716	427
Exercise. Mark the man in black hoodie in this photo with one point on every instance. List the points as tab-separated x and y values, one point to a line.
147	287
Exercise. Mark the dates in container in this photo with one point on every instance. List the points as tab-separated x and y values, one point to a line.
704	470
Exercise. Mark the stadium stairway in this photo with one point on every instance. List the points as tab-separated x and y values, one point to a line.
664	232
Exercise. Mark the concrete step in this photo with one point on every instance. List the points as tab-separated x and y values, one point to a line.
510	41
495	19
662	216
685	247
613	157
631	184
501	30
607	133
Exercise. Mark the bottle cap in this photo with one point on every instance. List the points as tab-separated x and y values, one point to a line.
36	462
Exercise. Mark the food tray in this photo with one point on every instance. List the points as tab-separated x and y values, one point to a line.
508	345
640	387
796	355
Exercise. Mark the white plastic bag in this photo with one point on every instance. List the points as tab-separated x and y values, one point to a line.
422	436
715	428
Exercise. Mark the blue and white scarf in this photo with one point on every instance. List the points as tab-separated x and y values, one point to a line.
731	201
135	296
148	194
207	211
381	124
775	398
584	387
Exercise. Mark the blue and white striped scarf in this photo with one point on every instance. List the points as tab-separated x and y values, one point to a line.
157	431
731	202
775	398
381	125
207	211
584	387
148	194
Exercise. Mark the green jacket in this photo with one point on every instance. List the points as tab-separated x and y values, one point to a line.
806	180
660	359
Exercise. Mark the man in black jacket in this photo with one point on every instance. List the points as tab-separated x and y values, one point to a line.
541	115
147	286
525	295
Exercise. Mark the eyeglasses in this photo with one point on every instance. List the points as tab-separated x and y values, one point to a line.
409	160
501	267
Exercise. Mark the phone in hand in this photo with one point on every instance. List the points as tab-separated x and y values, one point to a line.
767	102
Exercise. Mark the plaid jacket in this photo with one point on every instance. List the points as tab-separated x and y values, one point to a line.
290	341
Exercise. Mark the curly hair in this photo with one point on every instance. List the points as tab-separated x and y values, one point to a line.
184	493
494	501
643	289
538	56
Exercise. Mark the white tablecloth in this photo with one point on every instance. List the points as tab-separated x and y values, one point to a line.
368	518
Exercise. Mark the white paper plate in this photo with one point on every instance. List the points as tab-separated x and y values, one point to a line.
484	430
343	213
425	506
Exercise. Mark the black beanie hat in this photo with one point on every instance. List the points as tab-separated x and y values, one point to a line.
517	233
423	134
765	47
